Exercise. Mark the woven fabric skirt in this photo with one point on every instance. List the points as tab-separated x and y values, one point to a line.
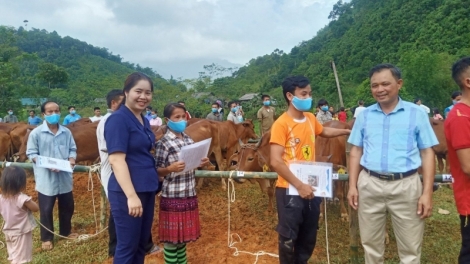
178	220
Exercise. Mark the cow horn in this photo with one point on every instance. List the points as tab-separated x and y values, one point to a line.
329	157
240	142
258	144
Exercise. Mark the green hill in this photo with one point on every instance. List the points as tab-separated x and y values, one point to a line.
422	37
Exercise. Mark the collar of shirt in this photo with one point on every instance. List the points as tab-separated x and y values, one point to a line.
131	115
172	135
45	128
399	106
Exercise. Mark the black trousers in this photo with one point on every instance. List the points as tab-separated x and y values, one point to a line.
297	227
464	257
46	207
113	239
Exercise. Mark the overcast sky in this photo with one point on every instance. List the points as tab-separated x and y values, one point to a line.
177	37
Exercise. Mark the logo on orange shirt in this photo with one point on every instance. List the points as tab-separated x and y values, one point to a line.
307	152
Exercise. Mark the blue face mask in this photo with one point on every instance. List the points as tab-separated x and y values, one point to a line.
324	108
178	127
148	112
235	109
52	119
454	102
214	110
267	103
303	105
10	112
73	112
154	116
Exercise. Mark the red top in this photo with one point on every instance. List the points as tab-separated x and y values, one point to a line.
457	130
342	116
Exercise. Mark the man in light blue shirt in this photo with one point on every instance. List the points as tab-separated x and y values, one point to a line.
391	139
33	119
72	117
53	140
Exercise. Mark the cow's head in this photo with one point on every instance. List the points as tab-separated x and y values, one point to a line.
248	130
254	157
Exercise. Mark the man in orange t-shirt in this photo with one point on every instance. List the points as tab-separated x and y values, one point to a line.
293	138
457	130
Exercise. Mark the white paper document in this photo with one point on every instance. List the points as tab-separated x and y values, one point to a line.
194	153
51	163
319	175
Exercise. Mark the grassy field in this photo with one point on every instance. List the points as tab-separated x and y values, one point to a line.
249	218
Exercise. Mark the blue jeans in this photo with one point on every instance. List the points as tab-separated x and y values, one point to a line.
132	233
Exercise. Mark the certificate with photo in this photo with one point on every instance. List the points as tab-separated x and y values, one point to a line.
319	175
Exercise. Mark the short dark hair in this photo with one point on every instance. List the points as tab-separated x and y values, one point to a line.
34	112
132	79
43	106
96	108
459	68
361	102
265	96
149	107
322	102
169	108
13	181
455	94
215	103
341	108
113	95
70	107
396	73
291	83
230	103
435	110
416	100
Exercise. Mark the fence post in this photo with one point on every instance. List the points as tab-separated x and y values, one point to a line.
353	223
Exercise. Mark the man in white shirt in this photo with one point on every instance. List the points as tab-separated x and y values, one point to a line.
359	109
426	109
97	115
232	115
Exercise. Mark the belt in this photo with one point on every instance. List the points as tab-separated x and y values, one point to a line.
391	176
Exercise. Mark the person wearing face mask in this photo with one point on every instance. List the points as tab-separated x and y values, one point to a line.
134	180
55	141
156	120
215	115
456	96
293	138
10	118
148	113
265	114
72	116
232	115
179	214
324	115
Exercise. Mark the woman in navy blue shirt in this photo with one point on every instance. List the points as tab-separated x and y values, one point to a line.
134	181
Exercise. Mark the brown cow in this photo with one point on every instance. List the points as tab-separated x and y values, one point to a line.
85	139
5	146
255	157
225	137
333	150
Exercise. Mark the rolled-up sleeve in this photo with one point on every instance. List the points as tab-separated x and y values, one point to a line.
32	150
425	137
72	147
357	133
116	134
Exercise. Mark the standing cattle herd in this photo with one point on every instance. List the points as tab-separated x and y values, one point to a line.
229	142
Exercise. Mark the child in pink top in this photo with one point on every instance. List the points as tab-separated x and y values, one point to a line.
16	208
436	114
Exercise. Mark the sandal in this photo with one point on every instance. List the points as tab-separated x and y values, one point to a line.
155	250
47	245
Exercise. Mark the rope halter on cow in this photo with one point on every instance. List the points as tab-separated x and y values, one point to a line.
264	164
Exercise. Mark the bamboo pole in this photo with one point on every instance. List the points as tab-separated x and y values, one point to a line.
337	84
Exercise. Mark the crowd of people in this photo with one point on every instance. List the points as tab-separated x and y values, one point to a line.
390	140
